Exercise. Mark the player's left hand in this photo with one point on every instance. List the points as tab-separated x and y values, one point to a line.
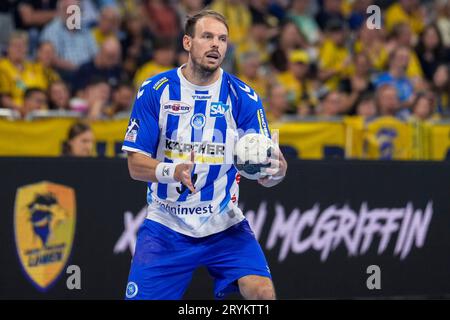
278	166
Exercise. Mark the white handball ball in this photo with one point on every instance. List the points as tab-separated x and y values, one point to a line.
252	154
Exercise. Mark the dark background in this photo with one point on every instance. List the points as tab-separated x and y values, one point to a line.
104	191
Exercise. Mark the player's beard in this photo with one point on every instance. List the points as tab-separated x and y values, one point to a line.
203	68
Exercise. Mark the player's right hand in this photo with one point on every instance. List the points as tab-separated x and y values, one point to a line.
183	173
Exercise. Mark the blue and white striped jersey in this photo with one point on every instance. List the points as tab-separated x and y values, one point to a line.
171	117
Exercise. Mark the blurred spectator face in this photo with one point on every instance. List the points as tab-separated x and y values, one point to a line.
366	108
109	20
193	5
362	64
110	53
17	49
250	66
441	77
99	92
333	6
430	38
46	54
400	58
278	102
59	95
332	104
208	45
291	37
259	32
422	108
134	24
404	35
164	56
338	36
35	101
82	145
123	97
388	100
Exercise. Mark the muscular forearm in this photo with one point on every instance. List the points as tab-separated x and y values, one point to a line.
142	167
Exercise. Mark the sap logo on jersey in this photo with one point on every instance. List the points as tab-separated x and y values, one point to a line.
176	107
218	109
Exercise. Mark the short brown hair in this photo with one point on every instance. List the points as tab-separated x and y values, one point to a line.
189	27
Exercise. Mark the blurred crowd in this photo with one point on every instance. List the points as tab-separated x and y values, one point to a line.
303	57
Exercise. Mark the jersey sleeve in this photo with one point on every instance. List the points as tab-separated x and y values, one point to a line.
250	116
142	133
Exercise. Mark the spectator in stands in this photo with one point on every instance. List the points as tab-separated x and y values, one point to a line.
331	104
44	63
443	21
106	65
108	25
334	57
366	107
299	85
73	47
97	95
162	19
163	59
402	36
372	43
331	10
80	141
431	51
17	73
137	43
408	11
251	73
58	96
388	102
288	39
34	99
396	75
300	15
122	100
357	83
277	104
441	88
422	108
32	16
257	41
238	17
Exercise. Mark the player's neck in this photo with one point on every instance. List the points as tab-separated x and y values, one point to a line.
199	77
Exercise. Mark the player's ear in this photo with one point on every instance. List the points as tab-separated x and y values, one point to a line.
187	42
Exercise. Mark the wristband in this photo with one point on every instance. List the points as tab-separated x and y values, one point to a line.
165	172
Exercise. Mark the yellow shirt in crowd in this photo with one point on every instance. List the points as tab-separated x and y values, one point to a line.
333	57
297	92
14	82
395	14
148	70
238	18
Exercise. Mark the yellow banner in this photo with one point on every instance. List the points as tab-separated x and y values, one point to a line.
439	145
313	140
46	137
384	138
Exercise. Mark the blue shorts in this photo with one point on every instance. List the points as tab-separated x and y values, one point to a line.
165	260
